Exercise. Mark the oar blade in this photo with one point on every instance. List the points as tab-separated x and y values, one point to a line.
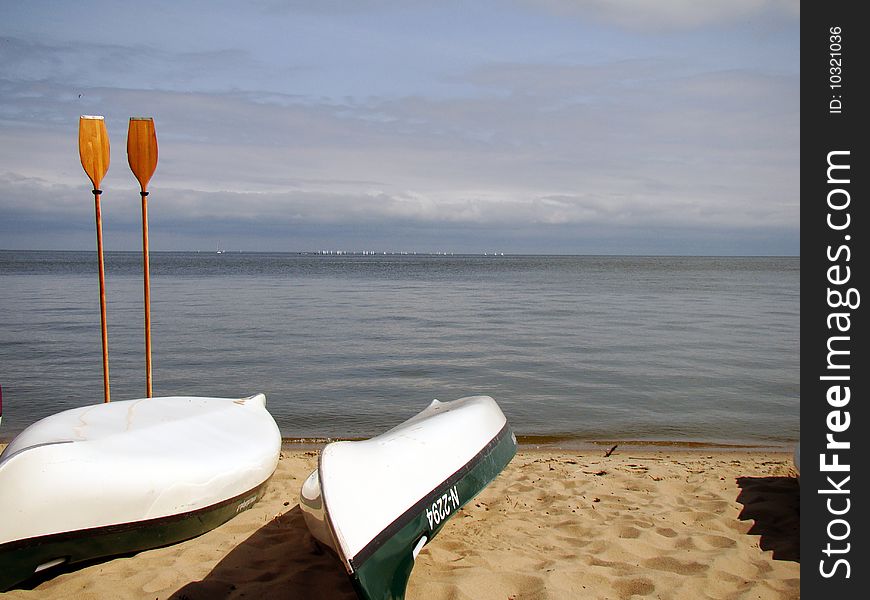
94	147
142	149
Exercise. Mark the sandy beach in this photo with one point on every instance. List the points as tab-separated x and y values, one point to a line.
555	524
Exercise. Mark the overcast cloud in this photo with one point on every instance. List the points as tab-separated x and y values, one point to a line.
518	126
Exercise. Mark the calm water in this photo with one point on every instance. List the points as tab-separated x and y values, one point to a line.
590	348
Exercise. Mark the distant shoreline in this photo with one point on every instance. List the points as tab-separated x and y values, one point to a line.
409	253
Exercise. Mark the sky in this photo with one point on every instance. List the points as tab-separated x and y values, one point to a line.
515	126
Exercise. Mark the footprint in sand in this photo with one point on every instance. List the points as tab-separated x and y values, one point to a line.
637	586
666	532
666	563
629	532
686	543
718	541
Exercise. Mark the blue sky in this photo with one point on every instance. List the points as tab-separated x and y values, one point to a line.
541	126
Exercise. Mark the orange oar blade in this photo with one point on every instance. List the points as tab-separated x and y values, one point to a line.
94	148
142	149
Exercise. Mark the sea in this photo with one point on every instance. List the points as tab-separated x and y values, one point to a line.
575	349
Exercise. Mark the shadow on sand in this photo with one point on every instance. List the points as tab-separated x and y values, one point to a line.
280	560
774	504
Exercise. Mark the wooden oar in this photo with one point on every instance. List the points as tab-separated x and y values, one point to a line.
94	153
142	156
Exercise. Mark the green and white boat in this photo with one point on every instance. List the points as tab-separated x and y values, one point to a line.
377	502
122	477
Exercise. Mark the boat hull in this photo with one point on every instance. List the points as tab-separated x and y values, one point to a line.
127	476
380	566
23	558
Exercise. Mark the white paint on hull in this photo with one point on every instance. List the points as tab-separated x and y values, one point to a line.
133	460
364	486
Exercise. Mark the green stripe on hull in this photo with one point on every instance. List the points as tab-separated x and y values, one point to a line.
19	559
384	573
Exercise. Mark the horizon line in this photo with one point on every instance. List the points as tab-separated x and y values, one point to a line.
340	253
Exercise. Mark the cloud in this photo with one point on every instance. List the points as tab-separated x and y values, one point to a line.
680	150
625	142
81	67
669	14
633	14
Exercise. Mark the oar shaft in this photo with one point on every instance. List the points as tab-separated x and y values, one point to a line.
146	268
104	328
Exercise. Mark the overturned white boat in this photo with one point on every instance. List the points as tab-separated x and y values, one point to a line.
377	502
126	476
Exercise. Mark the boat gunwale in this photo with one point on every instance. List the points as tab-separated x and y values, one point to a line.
4	458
